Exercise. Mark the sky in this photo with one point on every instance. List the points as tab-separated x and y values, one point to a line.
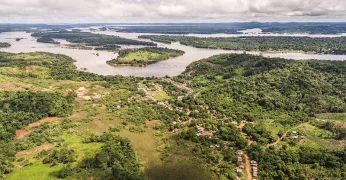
93	11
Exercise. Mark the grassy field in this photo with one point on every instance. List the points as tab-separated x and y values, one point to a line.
160	95
140	56
337	117
36	171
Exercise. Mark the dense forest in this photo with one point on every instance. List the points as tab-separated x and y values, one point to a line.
144	56
257	43
234	28
90	39
194	28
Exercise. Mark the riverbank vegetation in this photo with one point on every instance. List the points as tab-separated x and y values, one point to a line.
109	47
60	123
144	56
259	43
47	40
4	44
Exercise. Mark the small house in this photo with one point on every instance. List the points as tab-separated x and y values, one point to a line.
239	153
239	172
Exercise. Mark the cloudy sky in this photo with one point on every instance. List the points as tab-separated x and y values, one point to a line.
74	11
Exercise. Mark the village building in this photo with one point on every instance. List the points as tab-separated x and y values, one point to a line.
253	163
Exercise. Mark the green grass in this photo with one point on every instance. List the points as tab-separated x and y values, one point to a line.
144	56
82	150
141	55
160	95
146	146
339	117
313	131
36	171
239	72
178	164
317	142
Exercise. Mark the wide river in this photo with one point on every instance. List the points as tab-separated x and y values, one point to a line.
97	64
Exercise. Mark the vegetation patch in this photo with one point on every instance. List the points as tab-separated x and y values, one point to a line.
47	40
90	39
2	44
258	43
144	56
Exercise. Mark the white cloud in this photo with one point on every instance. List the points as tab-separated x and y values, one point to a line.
168	10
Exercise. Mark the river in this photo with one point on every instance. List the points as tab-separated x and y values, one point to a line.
97	64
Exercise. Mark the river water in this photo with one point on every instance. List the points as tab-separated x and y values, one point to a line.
97	64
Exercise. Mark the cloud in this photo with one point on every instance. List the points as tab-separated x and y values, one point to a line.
167	10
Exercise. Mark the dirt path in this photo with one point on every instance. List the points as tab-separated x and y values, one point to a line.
246	156
283	136
247	166
45	147
21	133
279	139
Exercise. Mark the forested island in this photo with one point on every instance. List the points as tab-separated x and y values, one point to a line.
106	42
259	43
144	56
108	47
284	118
4	44
47	40
181	29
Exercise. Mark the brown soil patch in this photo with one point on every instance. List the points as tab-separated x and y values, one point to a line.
191	72
42	121
38	149
250	142
242	124
67	91
99	124
21	133
7	85
153	122
28	69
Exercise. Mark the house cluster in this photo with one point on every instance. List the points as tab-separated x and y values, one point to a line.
180	98
81	93
214	146
201	131
254	169
240	163
295	135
